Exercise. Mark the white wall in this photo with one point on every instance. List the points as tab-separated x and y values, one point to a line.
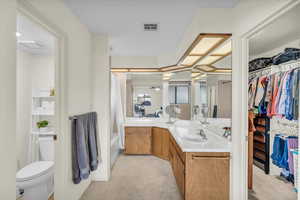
101	101
78	90
8	99
24	92
273	52
134	61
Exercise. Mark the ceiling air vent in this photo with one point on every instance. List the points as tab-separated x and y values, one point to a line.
150	27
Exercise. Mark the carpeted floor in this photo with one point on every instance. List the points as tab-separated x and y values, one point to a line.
136	178
150	178
268	187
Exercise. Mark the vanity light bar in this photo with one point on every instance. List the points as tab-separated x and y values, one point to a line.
205	68
223	70
144	70
119	70
134	70
171	68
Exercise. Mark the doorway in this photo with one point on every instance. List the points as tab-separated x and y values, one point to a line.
37	111
273	109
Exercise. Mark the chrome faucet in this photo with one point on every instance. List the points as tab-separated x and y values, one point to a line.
202	134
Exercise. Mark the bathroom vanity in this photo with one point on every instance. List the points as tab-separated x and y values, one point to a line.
201	169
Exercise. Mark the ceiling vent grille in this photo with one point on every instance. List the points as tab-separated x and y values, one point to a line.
150	27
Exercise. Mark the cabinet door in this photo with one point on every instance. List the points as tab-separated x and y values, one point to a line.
165	144
207	178
157	142
179	173
138	140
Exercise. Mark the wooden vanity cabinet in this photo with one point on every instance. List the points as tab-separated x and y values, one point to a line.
160	143
200	175
138	140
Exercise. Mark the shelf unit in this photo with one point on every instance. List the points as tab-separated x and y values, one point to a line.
40	112
261	145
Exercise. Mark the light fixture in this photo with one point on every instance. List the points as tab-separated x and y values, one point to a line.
206	68
190	60
119	70
223	50
168	75
195	74
205	44
223	70
27	42
202	46
143	70
207	49
18	34
209	60
170	68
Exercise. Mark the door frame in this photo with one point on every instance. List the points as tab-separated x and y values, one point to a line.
61	117
243	45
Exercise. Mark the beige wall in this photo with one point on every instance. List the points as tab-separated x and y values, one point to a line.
8	99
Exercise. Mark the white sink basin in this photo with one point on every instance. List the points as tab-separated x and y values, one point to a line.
189	133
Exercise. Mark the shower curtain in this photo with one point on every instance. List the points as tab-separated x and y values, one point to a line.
33	148
117	114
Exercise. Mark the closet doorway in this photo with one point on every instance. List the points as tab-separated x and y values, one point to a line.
273	109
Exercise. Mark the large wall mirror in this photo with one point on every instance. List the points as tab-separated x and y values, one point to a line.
144	95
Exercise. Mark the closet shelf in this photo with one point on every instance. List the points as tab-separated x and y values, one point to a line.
260	139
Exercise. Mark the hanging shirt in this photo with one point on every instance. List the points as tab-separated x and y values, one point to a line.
269	95
277	78
260	90
289	100
252	92
283	99
296	92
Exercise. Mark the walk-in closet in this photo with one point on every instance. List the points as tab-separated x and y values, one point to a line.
273	109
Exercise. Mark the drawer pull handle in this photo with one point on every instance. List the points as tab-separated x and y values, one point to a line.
207	157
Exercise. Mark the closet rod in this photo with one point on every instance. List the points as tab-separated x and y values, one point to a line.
276	66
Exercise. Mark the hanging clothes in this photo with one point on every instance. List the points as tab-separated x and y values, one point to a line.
276	94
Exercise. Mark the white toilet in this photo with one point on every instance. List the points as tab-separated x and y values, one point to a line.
37	178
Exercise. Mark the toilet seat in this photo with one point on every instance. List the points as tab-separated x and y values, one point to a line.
34	170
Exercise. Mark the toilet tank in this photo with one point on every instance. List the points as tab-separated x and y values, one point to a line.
46	148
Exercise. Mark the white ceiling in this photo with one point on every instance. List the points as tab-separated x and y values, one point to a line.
282	31
123	21
32	32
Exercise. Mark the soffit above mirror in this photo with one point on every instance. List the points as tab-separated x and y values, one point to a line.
202	54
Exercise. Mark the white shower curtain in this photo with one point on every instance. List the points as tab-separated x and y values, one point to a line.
33	148
117	114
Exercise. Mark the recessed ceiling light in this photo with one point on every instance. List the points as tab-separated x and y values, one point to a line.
18	34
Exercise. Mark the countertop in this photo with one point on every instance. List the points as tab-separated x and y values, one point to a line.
215	142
